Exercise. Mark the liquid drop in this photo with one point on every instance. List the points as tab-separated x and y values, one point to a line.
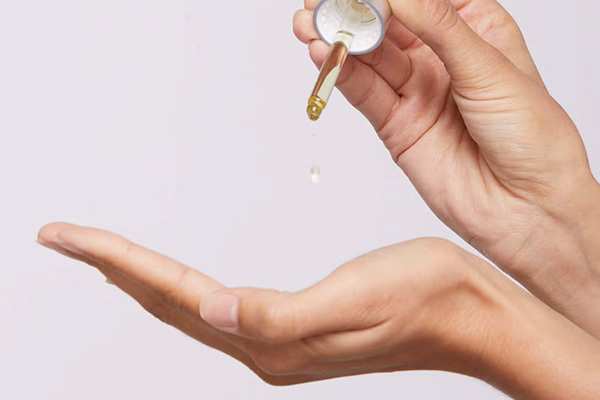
315	174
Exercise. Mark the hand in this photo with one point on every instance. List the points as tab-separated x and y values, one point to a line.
424	304
457	99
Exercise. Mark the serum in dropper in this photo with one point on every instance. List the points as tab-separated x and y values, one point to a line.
349	27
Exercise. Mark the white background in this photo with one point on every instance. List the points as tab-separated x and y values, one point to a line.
181	125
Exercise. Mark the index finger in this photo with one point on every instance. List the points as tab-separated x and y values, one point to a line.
310	4
175	283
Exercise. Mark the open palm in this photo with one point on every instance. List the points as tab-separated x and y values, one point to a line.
385	311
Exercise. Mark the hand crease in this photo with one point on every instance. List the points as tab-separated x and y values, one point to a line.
408	77
435	122
372	90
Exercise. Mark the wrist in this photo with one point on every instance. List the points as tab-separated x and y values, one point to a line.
571	273
536	353
466	320
584	222
559	262
504	336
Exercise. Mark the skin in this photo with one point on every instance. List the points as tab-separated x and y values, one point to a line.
424	304
456	98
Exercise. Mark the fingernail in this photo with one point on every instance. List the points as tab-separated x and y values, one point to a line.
42	242
220	310
67	246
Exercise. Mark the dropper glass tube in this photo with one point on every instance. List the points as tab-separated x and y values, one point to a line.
330	72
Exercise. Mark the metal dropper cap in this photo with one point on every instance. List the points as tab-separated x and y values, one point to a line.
365	20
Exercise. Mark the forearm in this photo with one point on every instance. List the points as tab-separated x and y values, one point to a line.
537	354
560	261
497	332
586	214
520	345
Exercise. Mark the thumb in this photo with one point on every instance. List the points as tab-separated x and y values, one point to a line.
272	316
472	63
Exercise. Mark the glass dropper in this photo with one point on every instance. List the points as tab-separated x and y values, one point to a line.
330	72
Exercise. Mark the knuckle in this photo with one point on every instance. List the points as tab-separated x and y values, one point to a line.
173	293
317	347
505	21
274	325
435	243
501	23
127	247
446	255
441	13
124	249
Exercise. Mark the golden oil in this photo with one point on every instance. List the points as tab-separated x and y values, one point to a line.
329	74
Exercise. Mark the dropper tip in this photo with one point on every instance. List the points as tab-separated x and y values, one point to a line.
315	108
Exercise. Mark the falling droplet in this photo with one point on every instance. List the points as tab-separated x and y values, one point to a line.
315	175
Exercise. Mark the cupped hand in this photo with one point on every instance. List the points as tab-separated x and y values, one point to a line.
409	306
424	304
457	99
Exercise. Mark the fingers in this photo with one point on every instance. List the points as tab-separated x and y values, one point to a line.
369	82
471	61
173	282
496	26
158	282
276	317
127	269
270	316
473	64
388	60
154	304
304	28
364	88
310	4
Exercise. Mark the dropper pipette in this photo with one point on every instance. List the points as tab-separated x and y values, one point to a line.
330	72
